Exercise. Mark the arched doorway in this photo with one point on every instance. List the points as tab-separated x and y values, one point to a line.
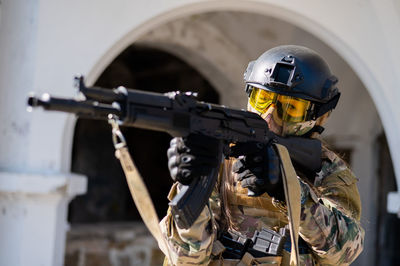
108	201
216	40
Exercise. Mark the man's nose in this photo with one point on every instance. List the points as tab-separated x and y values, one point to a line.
270	110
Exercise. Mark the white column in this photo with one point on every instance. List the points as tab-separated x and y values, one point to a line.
33	217
34	191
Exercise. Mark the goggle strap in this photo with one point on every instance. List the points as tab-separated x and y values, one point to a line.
248	88
326	107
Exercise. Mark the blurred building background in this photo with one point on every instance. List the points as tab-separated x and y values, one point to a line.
63	197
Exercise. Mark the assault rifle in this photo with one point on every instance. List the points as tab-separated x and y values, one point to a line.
180	114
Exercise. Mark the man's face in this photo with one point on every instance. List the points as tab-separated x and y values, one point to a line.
284	115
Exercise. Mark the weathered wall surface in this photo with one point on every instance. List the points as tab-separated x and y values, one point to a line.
126	244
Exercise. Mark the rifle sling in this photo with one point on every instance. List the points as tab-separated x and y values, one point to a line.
141	197
291	187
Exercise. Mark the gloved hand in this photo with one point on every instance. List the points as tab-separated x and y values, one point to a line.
258	169
192	157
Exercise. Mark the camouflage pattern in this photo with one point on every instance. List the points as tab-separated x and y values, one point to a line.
297	129
330	216
191	246
332	228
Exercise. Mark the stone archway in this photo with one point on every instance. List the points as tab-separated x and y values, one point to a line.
199	54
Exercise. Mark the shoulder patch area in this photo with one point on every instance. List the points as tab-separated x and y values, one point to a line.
347	177
338	178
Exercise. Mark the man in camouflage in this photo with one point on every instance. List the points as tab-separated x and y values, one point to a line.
292	88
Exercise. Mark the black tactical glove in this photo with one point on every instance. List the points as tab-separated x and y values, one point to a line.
258	169
192	157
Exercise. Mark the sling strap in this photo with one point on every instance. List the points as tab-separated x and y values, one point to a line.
137	187
291	187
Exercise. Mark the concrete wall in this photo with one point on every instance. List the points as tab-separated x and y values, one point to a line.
44	43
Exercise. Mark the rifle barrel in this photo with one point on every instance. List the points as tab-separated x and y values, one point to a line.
80	108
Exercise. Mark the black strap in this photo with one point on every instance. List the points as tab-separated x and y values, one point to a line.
317	128
326	107
303	246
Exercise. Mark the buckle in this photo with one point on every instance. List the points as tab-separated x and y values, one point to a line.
235	245
264	243
267	242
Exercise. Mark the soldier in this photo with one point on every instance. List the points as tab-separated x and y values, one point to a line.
293	90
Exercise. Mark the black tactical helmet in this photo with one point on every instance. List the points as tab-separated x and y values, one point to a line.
295	71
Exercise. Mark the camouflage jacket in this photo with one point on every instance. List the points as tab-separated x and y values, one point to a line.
330	215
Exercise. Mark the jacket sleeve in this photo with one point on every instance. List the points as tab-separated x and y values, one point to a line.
191	246
330	215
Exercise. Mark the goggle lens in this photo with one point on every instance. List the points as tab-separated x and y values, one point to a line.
262	99
289	109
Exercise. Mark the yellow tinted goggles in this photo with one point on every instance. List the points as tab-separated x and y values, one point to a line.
288	108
